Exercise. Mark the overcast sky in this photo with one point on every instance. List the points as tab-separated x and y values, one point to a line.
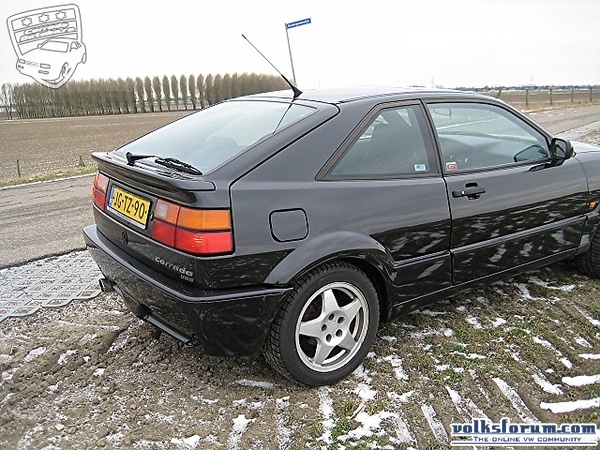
390	42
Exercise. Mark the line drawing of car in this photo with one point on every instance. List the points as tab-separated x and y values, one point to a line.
48	43
53	61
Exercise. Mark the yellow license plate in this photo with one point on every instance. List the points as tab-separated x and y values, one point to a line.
134	208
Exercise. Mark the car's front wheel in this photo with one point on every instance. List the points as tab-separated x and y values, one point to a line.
326	325
589	262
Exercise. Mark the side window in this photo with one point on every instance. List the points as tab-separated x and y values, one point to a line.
392	144
478	136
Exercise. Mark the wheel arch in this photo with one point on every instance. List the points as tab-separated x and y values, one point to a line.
377	279
359	250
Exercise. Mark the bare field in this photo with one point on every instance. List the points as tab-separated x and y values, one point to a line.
544	99
46	145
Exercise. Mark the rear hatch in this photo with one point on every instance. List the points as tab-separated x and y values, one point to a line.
163	199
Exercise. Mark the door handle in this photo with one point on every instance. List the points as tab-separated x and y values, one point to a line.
472	191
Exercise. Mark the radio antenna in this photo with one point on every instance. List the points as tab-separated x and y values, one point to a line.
297	91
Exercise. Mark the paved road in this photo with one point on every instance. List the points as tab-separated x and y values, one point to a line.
561	120
42	219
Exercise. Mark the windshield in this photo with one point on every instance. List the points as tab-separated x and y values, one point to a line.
210	137
55	46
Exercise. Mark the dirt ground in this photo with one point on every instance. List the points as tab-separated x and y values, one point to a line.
45	145
91	375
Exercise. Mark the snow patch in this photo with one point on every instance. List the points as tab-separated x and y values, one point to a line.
326	410
590	319
582	380
404	398
396	363
589	356
437	427
546	385
240	425
498	322
466	407
8	374
123	337
469	355
583	342
284	433
544	343
35	353
565	407
204	400
368	424
474	321
525	294
545	284
565	361
430	332
249	405
362	374
258	384
365	392
517	402
187	443
428	312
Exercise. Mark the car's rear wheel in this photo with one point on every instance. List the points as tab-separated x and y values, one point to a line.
326	326
589	262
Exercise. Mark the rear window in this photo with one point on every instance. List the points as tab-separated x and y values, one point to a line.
210	137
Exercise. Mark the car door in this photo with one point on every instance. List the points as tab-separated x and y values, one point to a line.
390	175
510	205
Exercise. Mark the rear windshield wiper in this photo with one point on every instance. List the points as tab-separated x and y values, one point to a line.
131	158
171	163
174	163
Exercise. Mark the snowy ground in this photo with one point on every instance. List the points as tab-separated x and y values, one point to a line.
92	375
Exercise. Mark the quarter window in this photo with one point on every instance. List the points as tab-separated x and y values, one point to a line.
392	144
478	136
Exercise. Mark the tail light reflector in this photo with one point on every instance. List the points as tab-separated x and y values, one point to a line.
99	190
196	231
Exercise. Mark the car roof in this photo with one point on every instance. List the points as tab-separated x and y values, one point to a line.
354	93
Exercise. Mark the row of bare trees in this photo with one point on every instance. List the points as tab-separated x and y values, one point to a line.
127	96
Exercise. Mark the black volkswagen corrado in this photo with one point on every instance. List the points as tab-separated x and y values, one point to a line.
294	225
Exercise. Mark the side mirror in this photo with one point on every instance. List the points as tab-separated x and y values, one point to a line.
561	150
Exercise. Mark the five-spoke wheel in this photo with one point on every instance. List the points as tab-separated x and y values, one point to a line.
326	326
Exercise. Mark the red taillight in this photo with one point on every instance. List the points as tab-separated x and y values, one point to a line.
99	190
201	243
196	231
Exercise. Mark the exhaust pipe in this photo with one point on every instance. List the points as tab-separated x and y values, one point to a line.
106	285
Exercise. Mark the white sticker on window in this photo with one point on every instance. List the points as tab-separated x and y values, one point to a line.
450	166
420	167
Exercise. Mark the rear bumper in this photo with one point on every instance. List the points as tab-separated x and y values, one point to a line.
232	323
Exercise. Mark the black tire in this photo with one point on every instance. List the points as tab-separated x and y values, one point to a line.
589	262
325	327
64	71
